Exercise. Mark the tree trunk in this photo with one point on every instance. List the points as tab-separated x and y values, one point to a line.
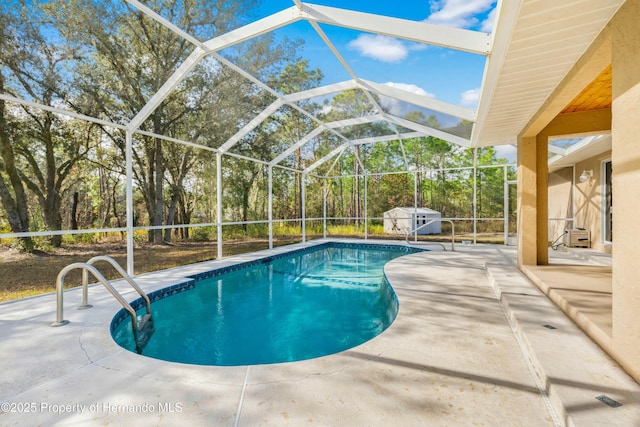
159	199
115	212
173	206
15	205
74	211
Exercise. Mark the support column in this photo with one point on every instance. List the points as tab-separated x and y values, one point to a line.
366	217
129	201
505	204
324	208
626	192
475	195
270	206
304	209
542	199
219	202
527	215
414	222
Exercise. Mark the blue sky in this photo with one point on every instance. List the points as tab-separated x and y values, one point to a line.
444	74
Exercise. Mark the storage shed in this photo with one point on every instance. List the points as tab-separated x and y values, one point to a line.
403	220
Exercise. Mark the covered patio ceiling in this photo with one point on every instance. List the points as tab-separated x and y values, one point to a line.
533	45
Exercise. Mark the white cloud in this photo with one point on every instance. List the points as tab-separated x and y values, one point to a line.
411	88
470	97
382	48
508	152
487	24
458	13
397	107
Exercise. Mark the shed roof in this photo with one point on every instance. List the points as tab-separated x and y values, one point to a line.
411	210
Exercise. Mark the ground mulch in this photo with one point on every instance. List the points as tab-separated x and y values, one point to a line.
27	274
23	275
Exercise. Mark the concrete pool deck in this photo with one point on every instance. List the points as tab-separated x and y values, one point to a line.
468	348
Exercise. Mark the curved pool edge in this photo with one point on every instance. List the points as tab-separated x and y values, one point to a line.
257	258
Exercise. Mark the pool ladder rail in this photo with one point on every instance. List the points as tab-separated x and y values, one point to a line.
142	328
417	242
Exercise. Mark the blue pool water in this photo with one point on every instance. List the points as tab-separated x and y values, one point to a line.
311	303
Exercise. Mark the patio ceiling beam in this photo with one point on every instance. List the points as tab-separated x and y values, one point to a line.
276	94
60	111
557	150
327	157
334	163
420	32
419	100
160	19
317	131
343	61
506	18
429	131
355	121
176	140
321	91
223	41
251	125
387	138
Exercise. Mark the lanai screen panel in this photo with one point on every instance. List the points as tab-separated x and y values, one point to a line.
278	59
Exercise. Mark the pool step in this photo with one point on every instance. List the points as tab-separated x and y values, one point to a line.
146	329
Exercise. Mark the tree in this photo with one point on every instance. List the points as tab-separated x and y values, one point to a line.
37	68
128	57
12	192
292	126
351	104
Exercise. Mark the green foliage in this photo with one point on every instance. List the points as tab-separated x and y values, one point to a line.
106	60
203	234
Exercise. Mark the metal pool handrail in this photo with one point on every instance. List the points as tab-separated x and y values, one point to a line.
119	269
86	267
453	233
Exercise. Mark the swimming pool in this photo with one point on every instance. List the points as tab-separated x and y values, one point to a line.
301	305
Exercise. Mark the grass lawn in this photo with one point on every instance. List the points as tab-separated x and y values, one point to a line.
23	275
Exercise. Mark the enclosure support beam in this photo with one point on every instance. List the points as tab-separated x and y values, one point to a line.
366	217
420	32
219	202
270	206
475	195
415	205
505	204
304	208
129	200
324	208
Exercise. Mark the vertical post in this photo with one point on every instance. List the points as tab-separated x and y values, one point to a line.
219	202
129	200
324	208
625	338
475	194
527	195
505	204
414	221
366	217
270	206
304	209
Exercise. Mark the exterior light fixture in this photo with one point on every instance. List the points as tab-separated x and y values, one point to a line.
586	175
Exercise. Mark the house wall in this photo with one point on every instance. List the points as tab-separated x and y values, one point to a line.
560	202
618	45
588	201
625	129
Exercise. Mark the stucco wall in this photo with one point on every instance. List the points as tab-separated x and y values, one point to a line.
560	203
588	200
582	201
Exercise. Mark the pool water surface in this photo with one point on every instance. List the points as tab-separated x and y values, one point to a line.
308	304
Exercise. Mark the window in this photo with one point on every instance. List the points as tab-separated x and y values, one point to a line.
607	203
